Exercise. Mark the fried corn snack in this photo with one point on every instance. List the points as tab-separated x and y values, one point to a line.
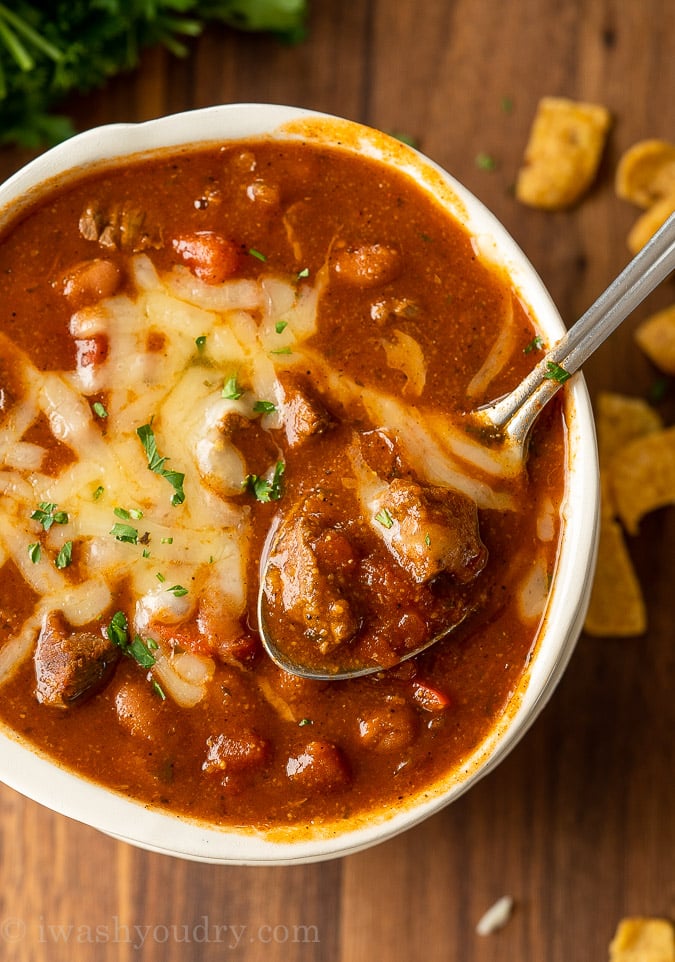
648	223
621	419
616	608
642	477
643	940
656	337
646	172
563	152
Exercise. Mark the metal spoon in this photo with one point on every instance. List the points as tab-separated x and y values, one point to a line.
508	419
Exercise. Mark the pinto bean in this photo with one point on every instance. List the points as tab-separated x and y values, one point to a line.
321	766
368	265
90	281
210	256
235	753
138	709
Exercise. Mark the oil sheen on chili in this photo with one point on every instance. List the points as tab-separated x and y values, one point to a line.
193	348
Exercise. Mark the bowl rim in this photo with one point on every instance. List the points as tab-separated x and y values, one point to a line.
26	770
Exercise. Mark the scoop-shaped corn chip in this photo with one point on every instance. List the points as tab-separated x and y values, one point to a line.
621	419
616	608
656	337
648	223
642	476
646	172
562	153
643	940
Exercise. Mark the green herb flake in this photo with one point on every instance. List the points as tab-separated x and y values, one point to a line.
156	463
35	552
166	541
99	410
231	389
301	275
47	515
304	722
160	577
138	650
158	690
536	344
280	326
264	407
263	488
554	372
485	161
384	518
200	342
257	254
124	532
98	492
146	552
427	540
65	555
178	591
282	350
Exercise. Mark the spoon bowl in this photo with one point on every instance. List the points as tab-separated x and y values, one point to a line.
507	422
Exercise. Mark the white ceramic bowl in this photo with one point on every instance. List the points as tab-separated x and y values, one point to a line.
40	779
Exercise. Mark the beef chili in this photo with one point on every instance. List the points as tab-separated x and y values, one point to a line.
196	347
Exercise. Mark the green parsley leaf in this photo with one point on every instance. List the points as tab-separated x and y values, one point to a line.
200	342
280	326
98	492
485	161
282	350
535	344
178	591
35	552
231	389
257	254
264	489
554	372
138	649
156	463
124	532
158	690
303	273
65	555
264	407
47	515
384	518
304	722
160	577
99	410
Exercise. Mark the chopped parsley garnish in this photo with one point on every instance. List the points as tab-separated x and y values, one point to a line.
156	463
305	721
535	344
282	350
427	540
257	254
264	407
231	389
264	489
485	161
99	409
65	555
166	541
384	518
158	690
554	372
178	591
126	513
139	650
98	492
47	515
200	342
160	577
281	326
124	532
303	273
34	552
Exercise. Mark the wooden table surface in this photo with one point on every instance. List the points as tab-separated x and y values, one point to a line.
578	824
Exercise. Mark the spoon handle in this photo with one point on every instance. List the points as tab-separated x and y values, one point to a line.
515	413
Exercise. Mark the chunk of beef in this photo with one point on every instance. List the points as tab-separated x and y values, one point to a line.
118	228
70	665
309	596
303	413
430	530
390	726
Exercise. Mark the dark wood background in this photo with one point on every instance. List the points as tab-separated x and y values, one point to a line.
578	825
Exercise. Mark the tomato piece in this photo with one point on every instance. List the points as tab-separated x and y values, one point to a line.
430	698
